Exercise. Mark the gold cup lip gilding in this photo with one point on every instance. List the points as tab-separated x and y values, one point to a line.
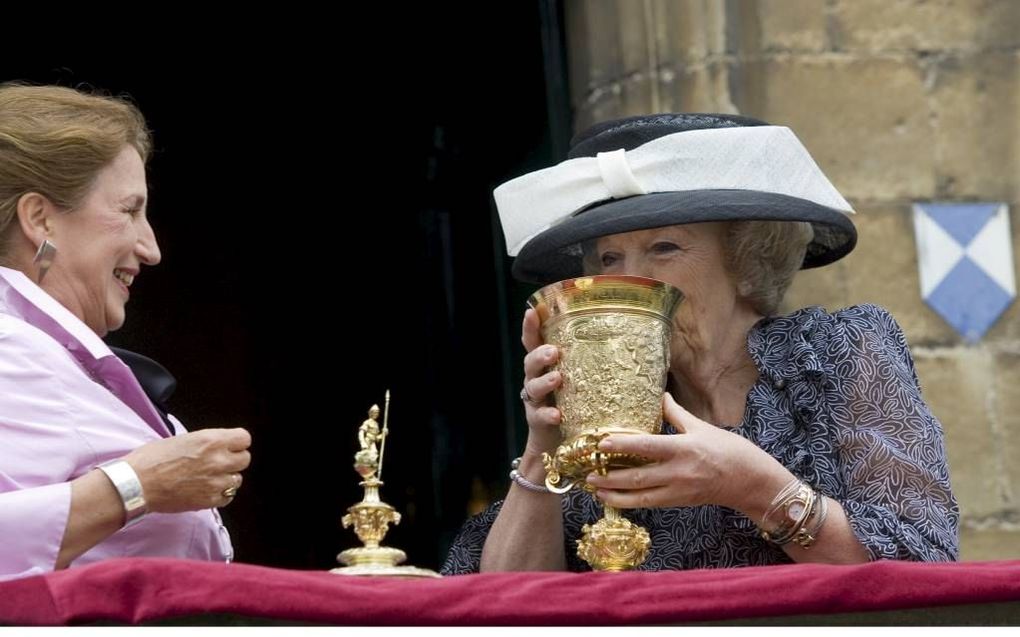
606	292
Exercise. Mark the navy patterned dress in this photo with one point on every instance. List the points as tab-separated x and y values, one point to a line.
838	403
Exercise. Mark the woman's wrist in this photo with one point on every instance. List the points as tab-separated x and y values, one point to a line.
124	479
538	444
755	495
531	466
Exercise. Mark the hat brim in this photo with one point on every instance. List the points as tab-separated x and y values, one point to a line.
554	254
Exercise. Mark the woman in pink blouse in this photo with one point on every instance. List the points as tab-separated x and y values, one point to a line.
89	468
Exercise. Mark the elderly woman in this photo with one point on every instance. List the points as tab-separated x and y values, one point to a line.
789	438
91	468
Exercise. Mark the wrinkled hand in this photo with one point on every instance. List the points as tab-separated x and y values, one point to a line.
543	419
703	464
190	472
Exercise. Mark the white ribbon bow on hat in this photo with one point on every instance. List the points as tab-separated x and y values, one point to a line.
760	158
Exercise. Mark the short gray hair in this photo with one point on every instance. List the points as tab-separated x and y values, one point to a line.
763	257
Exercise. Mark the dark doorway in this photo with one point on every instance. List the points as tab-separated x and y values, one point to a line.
324	211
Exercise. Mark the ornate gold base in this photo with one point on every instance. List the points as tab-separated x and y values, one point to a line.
575	459
378	561
613	543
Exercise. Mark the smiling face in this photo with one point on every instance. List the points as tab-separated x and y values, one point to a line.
102	244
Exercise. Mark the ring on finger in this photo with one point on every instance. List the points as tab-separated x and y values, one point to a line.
231	491
526	397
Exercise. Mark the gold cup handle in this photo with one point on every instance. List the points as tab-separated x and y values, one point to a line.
572	463
575	460
553	480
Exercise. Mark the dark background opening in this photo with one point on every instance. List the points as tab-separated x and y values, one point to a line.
325	215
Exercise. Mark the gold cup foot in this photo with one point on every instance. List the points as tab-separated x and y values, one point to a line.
613	543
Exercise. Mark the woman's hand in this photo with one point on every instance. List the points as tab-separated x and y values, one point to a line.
183	473
543	419
701	465
191	471
528	532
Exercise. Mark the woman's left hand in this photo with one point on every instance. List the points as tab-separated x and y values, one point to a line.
703	464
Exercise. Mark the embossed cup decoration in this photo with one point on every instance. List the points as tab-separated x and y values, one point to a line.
613	333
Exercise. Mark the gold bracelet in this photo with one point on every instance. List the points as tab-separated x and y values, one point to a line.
793	506
806	537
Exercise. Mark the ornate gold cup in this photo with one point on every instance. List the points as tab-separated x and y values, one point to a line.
613	333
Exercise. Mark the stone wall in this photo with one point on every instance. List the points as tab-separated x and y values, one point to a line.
899	101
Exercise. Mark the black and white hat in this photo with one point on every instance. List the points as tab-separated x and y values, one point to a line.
659	170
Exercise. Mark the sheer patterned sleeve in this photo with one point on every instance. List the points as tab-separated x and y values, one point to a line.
465	554
890	449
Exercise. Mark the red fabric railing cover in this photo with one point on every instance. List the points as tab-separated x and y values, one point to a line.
151	589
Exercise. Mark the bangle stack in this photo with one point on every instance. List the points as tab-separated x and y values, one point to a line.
796	514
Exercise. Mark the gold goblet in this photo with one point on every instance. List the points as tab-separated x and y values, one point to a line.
613	333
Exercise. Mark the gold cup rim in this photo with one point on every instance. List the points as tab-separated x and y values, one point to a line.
606	292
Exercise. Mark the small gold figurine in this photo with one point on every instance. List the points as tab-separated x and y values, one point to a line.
371	517
366	461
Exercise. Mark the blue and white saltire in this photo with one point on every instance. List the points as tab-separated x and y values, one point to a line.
965	260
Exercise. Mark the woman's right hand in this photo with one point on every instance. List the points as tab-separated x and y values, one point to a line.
527	535
191	471
543	418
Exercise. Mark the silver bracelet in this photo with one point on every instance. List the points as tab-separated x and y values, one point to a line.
125	480
523	482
